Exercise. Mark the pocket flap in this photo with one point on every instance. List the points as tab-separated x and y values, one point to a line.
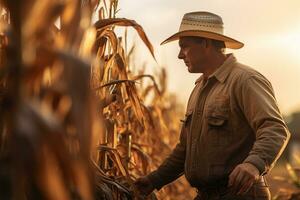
216	121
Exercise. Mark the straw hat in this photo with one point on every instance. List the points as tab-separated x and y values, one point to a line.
204	24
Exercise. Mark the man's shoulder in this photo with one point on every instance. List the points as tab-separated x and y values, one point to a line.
244	72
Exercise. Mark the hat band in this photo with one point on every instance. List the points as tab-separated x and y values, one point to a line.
192	25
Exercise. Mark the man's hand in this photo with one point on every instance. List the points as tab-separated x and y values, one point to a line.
242	178
144	186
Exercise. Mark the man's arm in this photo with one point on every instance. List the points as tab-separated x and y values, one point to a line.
173	165
261	110
257	101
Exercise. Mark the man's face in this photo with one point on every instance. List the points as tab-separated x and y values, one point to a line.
192	51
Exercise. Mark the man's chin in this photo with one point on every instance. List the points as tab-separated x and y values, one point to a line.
190	70
193	70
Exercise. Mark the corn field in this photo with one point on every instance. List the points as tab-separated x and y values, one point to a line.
73	117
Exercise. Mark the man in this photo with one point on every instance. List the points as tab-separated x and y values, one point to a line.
233	131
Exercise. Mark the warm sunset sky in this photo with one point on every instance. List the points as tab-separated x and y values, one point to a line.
270	30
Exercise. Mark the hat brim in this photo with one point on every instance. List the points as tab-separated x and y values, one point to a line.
229	42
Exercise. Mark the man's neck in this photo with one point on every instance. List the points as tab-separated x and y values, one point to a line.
213	64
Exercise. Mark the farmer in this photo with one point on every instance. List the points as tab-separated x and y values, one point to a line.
233	131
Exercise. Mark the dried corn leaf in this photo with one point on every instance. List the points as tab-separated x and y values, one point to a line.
156	89
115	156
101	14
135	102
113	82
108	23
111	36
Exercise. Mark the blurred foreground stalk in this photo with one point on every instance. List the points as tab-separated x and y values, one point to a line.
74	123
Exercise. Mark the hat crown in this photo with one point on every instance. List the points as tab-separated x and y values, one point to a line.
206	25
204	17
202	21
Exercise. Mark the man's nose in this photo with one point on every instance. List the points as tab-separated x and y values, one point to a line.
180	55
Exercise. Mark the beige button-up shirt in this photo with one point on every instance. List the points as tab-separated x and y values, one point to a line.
231	118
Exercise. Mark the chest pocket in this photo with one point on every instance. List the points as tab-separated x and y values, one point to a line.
217	116
218	123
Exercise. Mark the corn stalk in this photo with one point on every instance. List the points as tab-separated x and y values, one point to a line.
74	122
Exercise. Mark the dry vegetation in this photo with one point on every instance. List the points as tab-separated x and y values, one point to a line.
73	118
78	118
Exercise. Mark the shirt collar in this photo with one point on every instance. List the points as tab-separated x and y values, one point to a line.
223	71
199	80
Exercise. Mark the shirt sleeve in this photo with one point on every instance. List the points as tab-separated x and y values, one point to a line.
173	167
259	105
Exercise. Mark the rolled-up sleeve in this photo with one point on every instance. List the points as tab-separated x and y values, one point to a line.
258	103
